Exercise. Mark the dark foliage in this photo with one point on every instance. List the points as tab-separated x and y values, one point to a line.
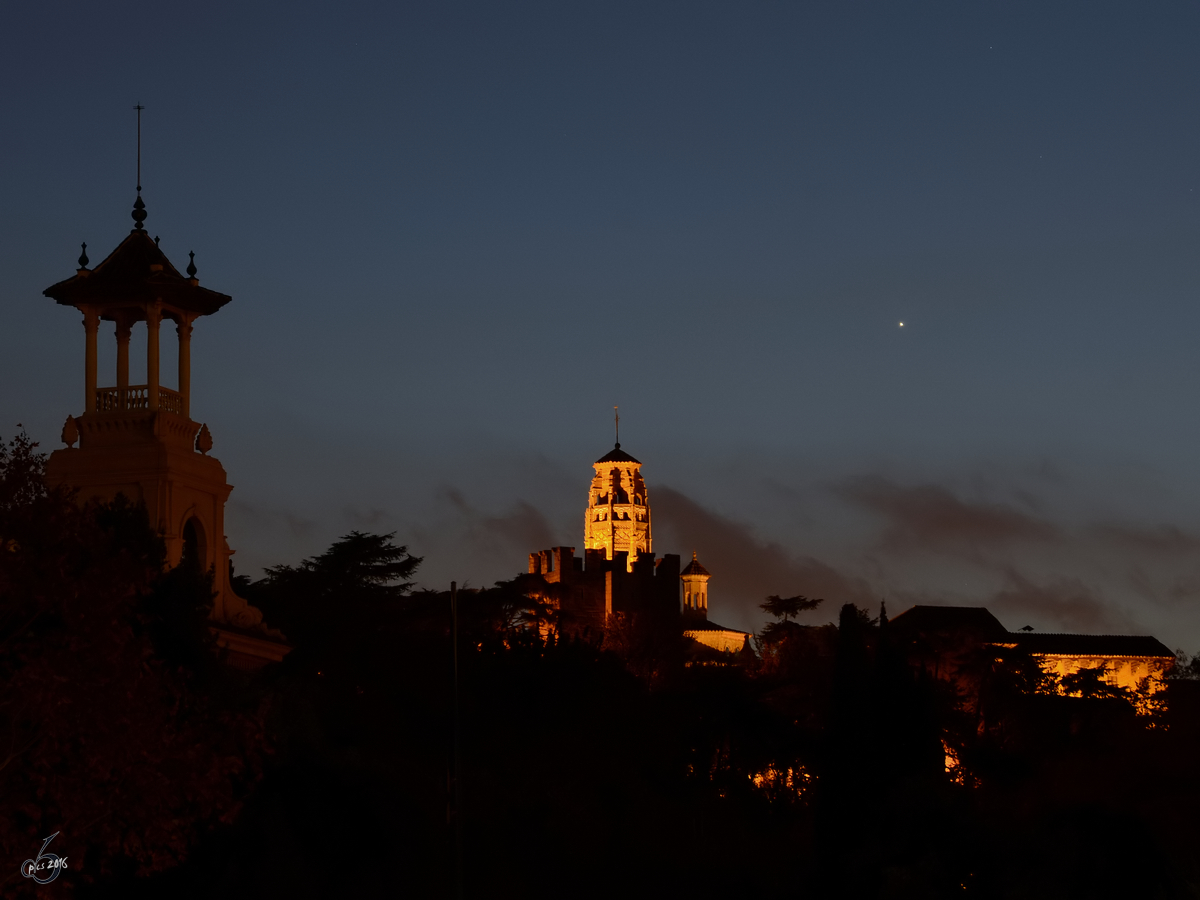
784	608
621	763
109	736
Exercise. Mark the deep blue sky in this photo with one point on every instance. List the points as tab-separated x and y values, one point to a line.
457	234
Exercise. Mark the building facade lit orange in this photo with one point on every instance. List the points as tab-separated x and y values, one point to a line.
618	513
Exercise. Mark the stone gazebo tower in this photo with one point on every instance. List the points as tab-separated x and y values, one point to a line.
618	515
139	439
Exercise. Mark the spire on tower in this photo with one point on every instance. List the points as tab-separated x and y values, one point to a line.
139	208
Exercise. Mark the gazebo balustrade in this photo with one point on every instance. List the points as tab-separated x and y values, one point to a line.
137	396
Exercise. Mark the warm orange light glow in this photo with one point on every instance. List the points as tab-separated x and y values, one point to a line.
792	782
1143	678
953	766
618	513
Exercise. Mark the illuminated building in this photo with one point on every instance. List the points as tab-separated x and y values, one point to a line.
696	625
139	440
618	514
618	574
1136	662
945	640
587	592
695	588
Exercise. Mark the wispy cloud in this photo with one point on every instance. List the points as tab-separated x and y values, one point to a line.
1063	602
1163	539
930	517
265	518
523	529
1022	550
369	520
745	568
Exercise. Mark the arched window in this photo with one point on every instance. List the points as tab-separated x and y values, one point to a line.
195	550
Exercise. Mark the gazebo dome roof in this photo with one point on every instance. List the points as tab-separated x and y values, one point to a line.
135	274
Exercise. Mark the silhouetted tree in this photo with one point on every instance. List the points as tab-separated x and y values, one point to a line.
784	644
784	608
1186	668
1090	684
360	574
176	614
1007	676
107	739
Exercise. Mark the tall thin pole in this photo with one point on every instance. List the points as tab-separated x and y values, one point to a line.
617	423
458	841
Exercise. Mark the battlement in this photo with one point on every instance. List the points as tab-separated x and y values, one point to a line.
598	587
558	564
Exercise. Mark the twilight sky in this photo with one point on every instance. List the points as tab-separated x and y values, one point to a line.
457	234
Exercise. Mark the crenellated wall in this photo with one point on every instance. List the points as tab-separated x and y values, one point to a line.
595	587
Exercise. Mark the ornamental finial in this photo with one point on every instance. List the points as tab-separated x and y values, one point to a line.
70	432
83	260
191	269
139	208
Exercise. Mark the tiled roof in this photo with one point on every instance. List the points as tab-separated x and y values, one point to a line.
705	625
949	619
945	618
1091	644
125	277
694	568
617	455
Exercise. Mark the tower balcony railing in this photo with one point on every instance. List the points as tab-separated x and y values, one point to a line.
137	396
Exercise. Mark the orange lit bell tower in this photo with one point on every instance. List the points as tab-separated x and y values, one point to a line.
139	439
618	514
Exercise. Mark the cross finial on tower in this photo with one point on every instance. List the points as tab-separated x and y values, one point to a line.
617	424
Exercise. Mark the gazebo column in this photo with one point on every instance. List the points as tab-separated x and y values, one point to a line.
184	330
153	320
91	325
123	330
